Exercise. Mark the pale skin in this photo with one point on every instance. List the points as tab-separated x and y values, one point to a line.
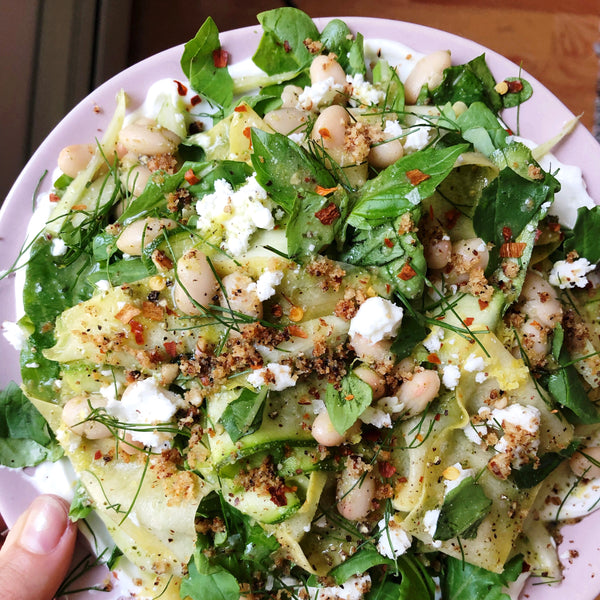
36	554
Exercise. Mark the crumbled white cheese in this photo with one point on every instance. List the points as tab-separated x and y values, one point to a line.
527	419
363	92
451	376
318	406
392	129
417	139
430	519
321	93
568	275
299	137
393	541
58	247
461	475
376	417
391	404
14	335
265	286
474	363
353	589
103	285
480	377
282	375
233	216
376	319
145	402
433	342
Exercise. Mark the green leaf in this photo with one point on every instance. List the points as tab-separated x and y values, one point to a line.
25	438
345	405
412	331
198	64
585	240
463	509
243	415
388	80
463	581
480	126
216	585
511	99
81	505
416	583
62	183
391	193
567	389
337	38
360	562
281	48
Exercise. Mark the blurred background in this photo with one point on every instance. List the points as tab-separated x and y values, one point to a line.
55	51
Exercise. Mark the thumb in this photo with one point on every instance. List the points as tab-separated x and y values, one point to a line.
37	552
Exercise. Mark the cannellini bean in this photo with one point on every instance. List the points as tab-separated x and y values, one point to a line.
196	280
468	255
459	108
74	159
540	301
385	153
241	295
437	253
147	137
373	379
355	490
580	464
289	96
428	71
286	120
129	445
534	341
137	178
323	67
418	392
78	409
143	231
325	433
330	127
370	352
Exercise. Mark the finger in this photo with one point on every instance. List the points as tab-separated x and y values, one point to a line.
37	551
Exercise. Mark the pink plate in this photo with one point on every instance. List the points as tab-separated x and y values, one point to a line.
540	119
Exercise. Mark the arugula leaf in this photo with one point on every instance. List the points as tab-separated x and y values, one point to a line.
214	583
480	126
463	581
415	583
391	193
360	562
198	64
345	405
511	99
412	331
567	389
243	415
281	47
337	38
463	509
585	240
25	438
81	505
124	271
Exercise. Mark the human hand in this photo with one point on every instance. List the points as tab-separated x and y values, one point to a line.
37	552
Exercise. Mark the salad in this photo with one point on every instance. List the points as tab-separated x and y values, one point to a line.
319	328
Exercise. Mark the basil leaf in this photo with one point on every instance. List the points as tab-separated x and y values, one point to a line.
567	389
337	38
25	438
412	331
391	193
416	582
480	126
198	64
345	405
217	584
461	580
124	271
511	99
243	415
281	48
463	509
360	562
585	240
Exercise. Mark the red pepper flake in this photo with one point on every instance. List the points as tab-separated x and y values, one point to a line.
431	215
53	197
240	108
386	469
469	321
220	58
247	132
324	191
324	133
328	214
437	417
98	455
171	348
507	233
434	359
515	86
138	331
451	217
555	227
190	177
286	46
538	234
512	250
406	273
416	176
402	480
483	304
388	288
195	100
79	207
388	242
420	438
509	131
181	89
296	331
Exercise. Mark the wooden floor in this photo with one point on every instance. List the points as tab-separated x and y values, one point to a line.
553	40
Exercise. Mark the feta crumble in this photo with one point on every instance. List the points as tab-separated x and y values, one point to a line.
430	519
451	376
58	247
277	377
474	363
393	129
376	417
14	335
265	286
363	92
569	275
321	93
417	139
353	589
393	541
376	319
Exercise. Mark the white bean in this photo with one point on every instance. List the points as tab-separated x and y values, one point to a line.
428	71
373	379
142	231
78	409
330	127
534	341
129	445
75	158
241	295
290	95
286	120
323	67
197	283
540	301
325	433
370	352
355	490
136	179
418	392
385	153
147	137
437	253
468	255
581	466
